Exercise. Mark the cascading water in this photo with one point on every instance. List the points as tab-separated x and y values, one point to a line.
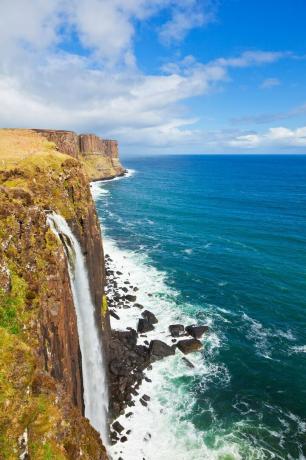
94	376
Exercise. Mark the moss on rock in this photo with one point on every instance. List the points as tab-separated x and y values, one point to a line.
37	412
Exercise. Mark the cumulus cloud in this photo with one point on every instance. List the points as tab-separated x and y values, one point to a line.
99	87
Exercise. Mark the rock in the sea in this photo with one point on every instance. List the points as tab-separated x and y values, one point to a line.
113	314
189	345
144	403
196	331
144	326
146	397
159	350
149	316
138	305
117	427
130	297
188	363
176	330
123	439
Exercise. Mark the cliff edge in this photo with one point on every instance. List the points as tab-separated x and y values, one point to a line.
100	157
41	387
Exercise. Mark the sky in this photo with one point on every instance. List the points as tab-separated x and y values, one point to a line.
160	76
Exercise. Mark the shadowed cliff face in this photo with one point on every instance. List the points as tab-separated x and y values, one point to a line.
99	156
41	394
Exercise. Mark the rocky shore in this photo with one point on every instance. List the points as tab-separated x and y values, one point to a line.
134	350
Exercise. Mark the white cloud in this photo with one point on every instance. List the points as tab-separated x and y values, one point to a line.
270	83
250	58
273	137
186	15
103	90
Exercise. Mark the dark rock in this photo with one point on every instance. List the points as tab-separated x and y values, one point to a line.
149	316
113	314
135	289
117	427
189	345
144	325
144	403
130	298
148	380
123	439
196	331
146	397
129	432
159	350
173	340
119	273
176	330
119	368
189	363
124	289
146	342
129	414
138	305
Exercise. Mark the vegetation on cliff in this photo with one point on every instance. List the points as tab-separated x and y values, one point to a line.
40	370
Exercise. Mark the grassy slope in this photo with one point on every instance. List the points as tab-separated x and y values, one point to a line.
34	177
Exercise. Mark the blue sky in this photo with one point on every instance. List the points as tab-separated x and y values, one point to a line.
161	76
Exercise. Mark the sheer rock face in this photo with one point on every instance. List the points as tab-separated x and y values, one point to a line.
66	141
41	390
99	156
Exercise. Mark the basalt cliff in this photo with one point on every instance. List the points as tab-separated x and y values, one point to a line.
100	157
41	385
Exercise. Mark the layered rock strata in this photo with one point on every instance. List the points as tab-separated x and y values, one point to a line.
41	393
99	156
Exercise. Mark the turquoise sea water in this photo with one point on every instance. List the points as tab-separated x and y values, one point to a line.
229	235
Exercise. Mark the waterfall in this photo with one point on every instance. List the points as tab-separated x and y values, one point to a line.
93	367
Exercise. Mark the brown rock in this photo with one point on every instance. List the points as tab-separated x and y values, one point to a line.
189	345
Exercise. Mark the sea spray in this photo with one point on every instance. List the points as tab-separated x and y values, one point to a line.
93	367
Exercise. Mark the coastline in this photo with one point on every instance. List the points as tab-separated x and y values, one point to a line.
130	273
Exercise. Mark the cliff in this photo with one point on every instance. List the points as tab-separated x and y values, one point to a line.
100	157
41	394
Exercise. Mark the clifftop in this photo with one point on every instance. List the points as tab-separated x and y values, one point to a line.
99	156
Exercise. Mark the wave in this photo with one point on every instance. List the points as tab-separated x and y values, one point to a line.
299	349
97	191
168	431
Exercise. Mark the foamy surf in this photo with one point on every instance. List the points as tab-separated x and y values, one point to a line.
162	430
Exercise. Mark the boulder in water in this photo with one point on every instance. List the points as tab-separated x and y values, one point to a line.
149	316
176	330
117	427
159	350
189	345
130	298
144	326
196	331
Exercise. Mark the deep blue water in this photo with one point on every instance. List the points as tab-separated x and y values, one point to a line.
230	233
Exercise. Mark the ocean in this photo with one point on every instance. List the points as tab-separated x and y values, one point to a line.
217	240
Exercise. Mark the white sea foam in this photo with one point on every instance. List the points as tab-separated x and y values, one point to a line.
129	173
299	349
163	430
97	190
